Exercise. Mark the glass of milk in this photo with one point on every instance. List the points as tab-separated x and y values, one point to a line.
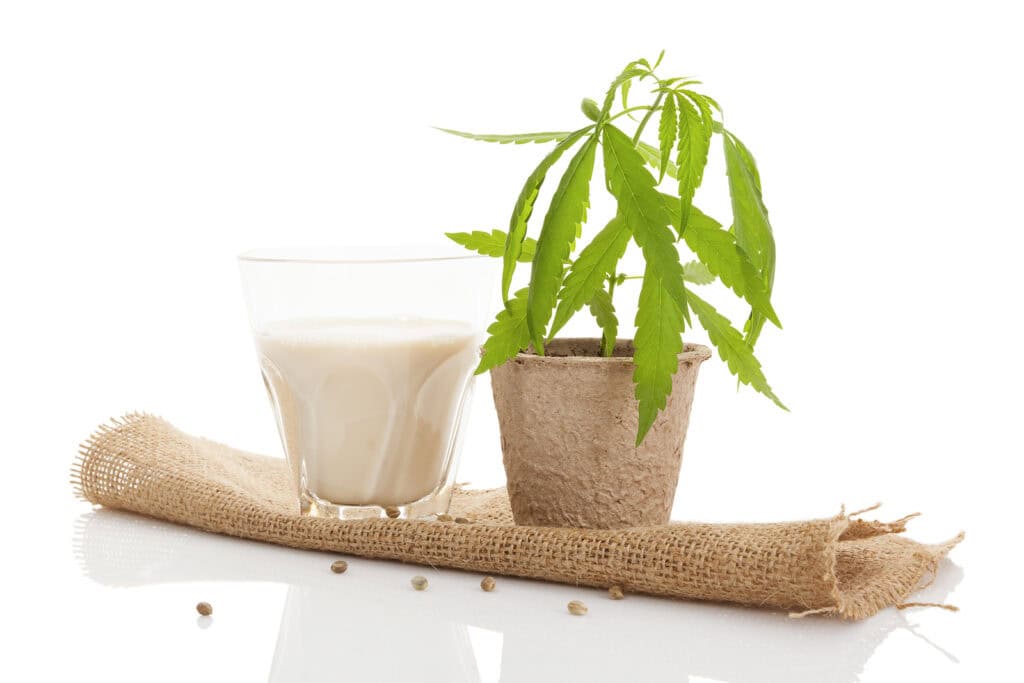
368	357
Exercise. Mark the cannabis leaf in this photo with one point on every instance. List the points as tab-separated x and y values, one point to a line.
750	224
628	74
748	160
492	243
705	102
652	156
604	312
657	343
718	250
567	212
524	207
732	348
666	133
644	212
697	273
509	333
694	141
587	274
516	138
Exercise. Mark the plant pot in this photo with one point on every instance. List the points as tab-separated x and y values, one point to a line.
568	424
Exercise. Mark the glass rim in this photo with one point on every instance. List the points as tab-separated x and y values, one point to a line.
358	255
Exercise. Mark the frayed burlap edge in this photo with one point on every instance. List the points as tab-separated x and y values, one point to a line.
841	566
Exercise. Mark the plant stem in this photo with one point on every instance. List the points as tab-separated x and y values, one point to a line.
626	111
647	117
608	345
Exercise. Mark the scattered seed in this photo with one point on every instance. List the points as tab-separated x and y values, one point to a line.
615	593
444	518
419	583
339	566
392	512
487	583
205	609
461	520
577	608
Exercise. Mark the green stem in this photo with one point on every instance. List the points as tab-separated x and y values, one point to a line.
646	118
608	345
626	111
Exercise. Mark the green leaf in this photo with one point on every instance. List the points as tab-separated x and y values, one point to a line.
700	97
657	344
750	223
748	160
697	273
516	139
644	212
628	74
604	312
492	243
508	334
652	156
529	250
692	157
567	212
732	348
718	250
587	274
704	105
524	207
679	81
667	127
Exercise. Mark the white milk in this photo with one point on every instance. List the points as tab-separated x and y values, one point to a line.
368	406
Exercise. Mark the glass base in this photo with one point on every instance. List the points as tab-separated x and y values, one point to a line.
428	507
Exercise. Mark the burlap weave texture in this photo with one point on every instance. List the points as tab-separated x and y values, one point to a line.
841	566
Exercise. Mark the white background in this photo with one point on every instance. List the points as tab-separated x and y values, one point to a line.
144	144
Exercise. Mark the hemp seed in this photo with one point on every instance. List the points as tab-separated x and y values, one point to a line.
339	566
615	593
419	583
205	609
461	520
487	584
577	608
392	512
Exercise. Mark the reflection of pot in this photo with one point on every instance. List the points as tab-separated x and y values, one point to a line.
568	434
391	638
369	624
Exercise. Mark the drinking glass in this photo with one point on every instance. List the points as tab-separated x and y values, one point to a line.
368	356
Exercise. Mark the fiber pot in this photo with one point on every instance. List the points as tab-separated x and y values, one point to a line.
568	424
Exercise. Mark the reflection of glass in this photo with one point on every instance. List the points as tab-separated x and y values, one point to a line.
456	632
368	356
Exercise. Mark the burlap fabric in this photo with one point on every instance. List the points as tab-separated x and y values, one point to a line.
840	566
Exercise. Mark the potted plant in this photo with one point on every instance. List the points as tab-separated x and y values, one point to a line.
592	430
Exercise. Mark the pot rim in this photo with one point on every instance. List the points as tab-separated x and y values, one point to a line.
691	352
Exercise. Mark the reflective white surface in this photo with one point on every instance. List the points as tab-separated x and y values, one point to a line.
295	620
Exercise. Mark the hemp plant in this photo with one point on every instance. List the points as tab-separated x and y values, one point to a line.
562	282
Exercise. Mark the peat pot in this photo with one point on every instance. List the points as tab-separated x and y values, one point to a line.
568	430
